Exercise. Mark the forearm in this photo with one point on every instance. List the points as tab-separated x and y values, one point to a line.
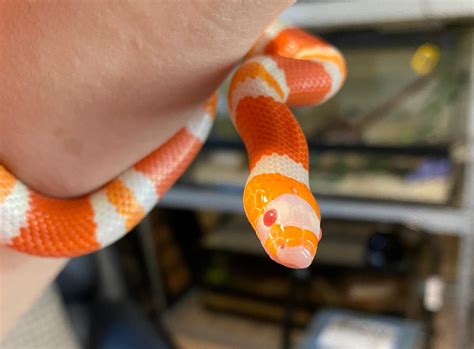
22	279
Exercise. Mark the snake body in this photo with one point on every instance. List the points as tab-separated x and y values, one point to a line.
286	67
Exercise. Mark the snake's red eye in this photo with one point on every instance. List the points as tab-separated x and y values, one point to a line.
270	217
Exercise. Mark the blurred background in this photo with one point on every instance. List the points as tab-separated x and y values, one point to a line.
392	166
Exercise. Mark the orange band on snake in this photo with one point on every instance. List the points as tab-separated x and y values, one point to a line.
286	67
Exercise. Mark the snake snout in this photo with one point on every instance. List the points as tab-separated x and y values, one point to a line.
289	230
291	246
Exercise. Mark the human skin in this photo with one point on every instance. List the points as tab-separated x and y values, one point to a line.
91	87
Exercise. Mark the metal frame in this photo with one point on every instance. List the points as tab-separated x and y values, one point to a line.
433	219
466	254
328	14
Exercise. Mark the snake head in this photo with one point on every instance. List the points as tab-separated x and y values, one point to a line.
289	231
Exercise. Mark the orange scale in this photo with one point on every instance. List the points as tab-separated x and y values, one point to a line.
166	164
334	57
73	217
211	105
253	70
309	82
125	202
7	183
268	127
290	41
274	185
271	247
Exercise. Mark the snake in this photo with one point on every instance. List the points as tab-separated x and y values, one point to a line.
286	67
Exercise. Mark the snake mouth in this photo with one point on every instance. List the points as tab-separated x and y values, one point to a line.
291	246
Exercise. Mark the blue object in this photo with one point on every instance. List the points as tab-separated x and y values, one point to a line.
339	329
431	168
